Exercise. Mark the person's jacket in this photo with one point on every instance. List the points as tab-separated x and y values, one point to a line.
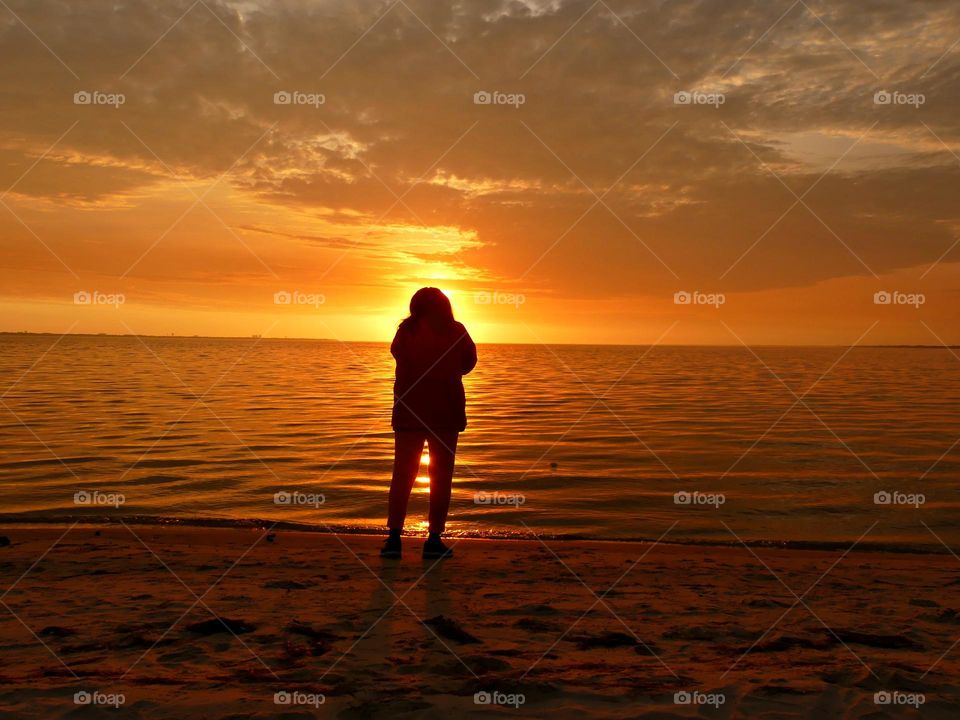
428	391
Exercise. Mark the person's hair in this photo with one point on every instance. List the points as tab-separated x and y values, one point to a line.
429	304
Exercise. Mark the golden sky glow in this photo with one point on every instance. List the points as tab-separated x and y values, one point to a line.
575	215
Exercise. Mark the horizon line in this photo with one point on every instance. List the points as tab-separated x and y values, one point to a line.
534	344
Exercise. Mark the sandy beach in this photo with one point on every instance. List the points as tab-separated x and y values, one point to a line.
176	622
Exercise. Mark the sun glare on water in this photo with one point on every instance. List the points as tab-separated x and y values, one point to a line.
424	478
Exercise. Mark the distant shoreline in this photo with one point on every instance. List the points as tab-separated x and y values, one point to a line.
21	333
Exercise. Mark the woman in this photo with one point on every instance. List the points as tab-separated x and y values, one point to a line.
433	352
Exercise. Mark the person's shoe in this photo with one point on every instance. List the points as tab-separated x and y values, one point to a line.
391	548
434	549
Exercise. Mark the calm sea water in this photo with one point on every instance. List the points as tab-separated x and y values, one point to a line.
573	440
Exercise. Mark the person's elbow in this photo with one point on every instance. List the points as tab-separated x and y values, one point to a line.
469	362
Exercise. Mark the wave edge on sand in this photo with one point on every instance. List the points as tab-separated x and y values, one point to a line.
27	519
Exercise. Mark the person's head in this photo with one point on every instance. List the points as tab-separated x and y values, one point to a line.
431	306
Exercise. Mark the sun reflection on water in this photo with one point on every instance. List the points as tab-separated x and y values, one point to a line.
423	479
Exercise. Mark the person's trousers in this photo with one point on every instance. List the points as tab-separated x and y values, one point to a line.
408	449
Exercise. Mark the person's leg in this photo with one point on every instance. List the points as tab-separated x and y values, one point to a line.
443	452
408	448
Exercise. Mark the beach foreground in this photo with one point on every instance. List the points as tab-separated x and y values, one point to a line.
244	623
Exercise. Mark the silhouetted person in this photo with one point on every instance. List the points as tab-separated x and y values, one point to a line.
433	352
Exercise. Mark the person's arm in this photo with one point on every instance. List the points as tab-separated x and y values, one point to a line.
468	353
396	347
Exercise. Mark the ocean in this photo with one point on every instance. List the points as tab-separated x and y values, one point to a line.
798	446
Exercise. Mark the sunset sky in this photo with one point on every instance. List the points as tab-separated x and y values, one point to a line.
578	214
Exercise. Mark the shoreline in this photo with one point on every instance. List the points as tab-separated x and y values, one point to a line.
85	521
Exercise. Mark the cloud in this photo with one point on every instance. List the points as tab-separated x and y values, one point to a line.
330	242
598	185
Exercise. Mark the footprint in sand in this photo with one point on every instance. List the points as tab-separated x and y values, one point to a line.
215	626
611	640
538	610
535	625
284	585
450	629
